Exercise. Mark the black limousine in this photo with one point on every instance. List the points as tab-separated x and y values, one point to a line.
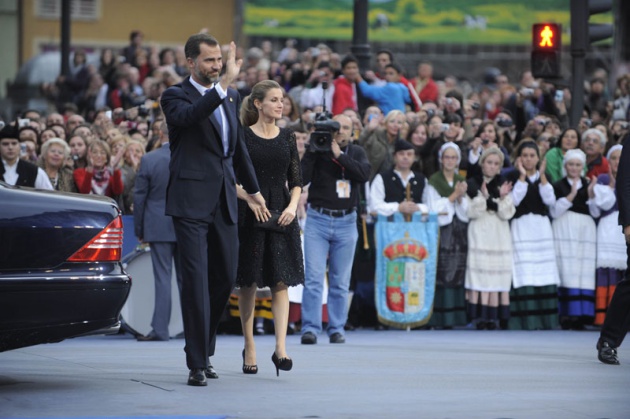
60	269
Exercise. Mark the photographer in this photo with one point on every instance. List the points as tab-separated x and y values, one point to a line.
330	235
318	87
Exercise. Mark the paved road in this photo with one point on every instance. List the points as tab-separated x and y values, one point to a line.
387	374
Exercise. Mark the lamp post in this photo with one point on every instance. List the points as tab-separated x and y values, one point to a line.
360	47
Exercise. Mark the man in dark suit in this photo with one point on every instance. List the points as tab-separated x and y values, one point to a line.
207	146
152	226
618	314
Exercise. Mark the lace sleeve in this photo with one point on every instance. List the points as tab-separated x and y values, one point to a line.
294	176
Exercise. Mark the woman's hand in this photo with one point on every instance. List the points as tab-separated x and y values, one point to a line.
591	187
116	159
574	189
484	190
287	216
521	169
505	189
257	204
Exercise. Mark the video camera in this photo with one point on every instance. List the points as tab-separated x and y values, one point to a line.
321	139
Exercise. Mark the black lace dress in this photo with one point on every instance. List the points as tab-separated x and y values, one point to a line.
268	258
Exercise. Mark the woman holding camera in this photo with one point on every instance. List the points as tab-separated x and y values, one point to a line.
485	138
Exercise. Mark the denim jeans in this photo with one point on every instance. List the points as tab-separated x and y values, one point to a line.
328	241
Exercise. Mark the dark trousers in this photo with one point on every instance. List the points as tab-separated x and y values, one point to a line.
617	320
208	255
162	256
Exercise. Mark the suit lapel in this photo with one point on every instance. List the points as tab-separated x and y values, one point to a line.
230	112
211	123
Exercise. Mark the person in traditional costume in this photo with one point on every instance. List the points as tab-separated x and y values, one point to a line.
577	205
446	195
535	278
611	244
489	262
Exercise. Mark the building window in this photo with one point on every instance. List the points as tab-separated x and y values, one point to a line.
79	9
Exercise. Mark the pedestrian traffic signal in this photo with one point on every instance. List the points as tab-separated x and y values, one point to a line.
546	46
546	36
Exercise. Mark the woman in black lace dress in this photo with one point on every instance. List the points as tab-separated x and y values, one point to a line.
269	258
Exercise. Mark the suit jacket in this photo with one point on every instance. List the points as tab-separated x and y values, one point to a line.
199	171
149	198
622	185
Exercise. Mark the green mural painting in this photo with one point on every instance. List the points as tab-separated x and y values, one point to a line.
436	21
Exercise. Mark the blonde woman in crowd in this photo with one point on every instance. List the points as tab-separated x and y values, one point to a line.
134	150
99	177
53	158
489	262
378	141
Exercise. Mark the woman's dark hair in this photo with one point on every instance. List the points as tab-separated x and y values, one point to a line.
527	143
249	113
579	137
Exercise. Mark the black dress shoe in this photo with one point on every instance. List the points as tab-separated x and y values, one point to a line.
606	353
210	372
149	338
196	377
337	338
309	338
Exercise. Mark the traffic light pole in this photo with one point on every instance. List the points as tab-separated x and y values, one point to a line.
360	47
577	87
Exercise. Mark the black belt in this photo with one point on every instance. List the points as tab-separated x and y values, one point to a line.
333	212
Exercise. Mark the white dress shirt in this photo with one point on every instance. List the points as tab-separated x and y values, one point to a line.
11	176
224	121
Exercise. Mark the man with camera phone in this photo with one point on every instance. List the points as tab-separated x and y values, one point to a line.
336	169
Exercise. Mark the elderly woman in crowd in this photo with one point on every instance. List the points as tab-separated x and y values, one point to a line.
593	144
447	194
534	295
489	262
99	177
53	158
577	204
611	245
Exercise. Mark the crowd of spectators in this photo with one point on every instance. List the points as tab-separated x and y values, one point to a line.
106	117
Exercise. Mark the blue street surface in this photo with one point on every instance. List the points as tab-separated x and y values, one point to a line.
376	374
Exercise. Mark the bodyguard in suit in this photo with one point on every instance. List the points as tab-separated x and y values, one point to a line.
154	227
617	319
207	152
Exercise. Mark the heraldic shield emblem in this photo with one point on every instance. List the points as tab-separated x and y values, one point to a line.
406	263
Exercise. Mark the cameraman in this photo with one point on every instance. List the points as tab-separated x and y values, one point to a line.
330	233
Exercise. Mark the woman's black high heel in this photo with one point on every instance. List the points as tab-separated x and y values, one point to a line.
284	364
249	369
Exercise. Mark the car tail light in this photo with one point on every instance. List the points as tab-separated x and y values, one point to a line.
105	247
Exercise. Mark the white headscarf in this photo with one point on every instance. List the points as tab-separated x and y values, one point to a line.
574	154
454	147
612	150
